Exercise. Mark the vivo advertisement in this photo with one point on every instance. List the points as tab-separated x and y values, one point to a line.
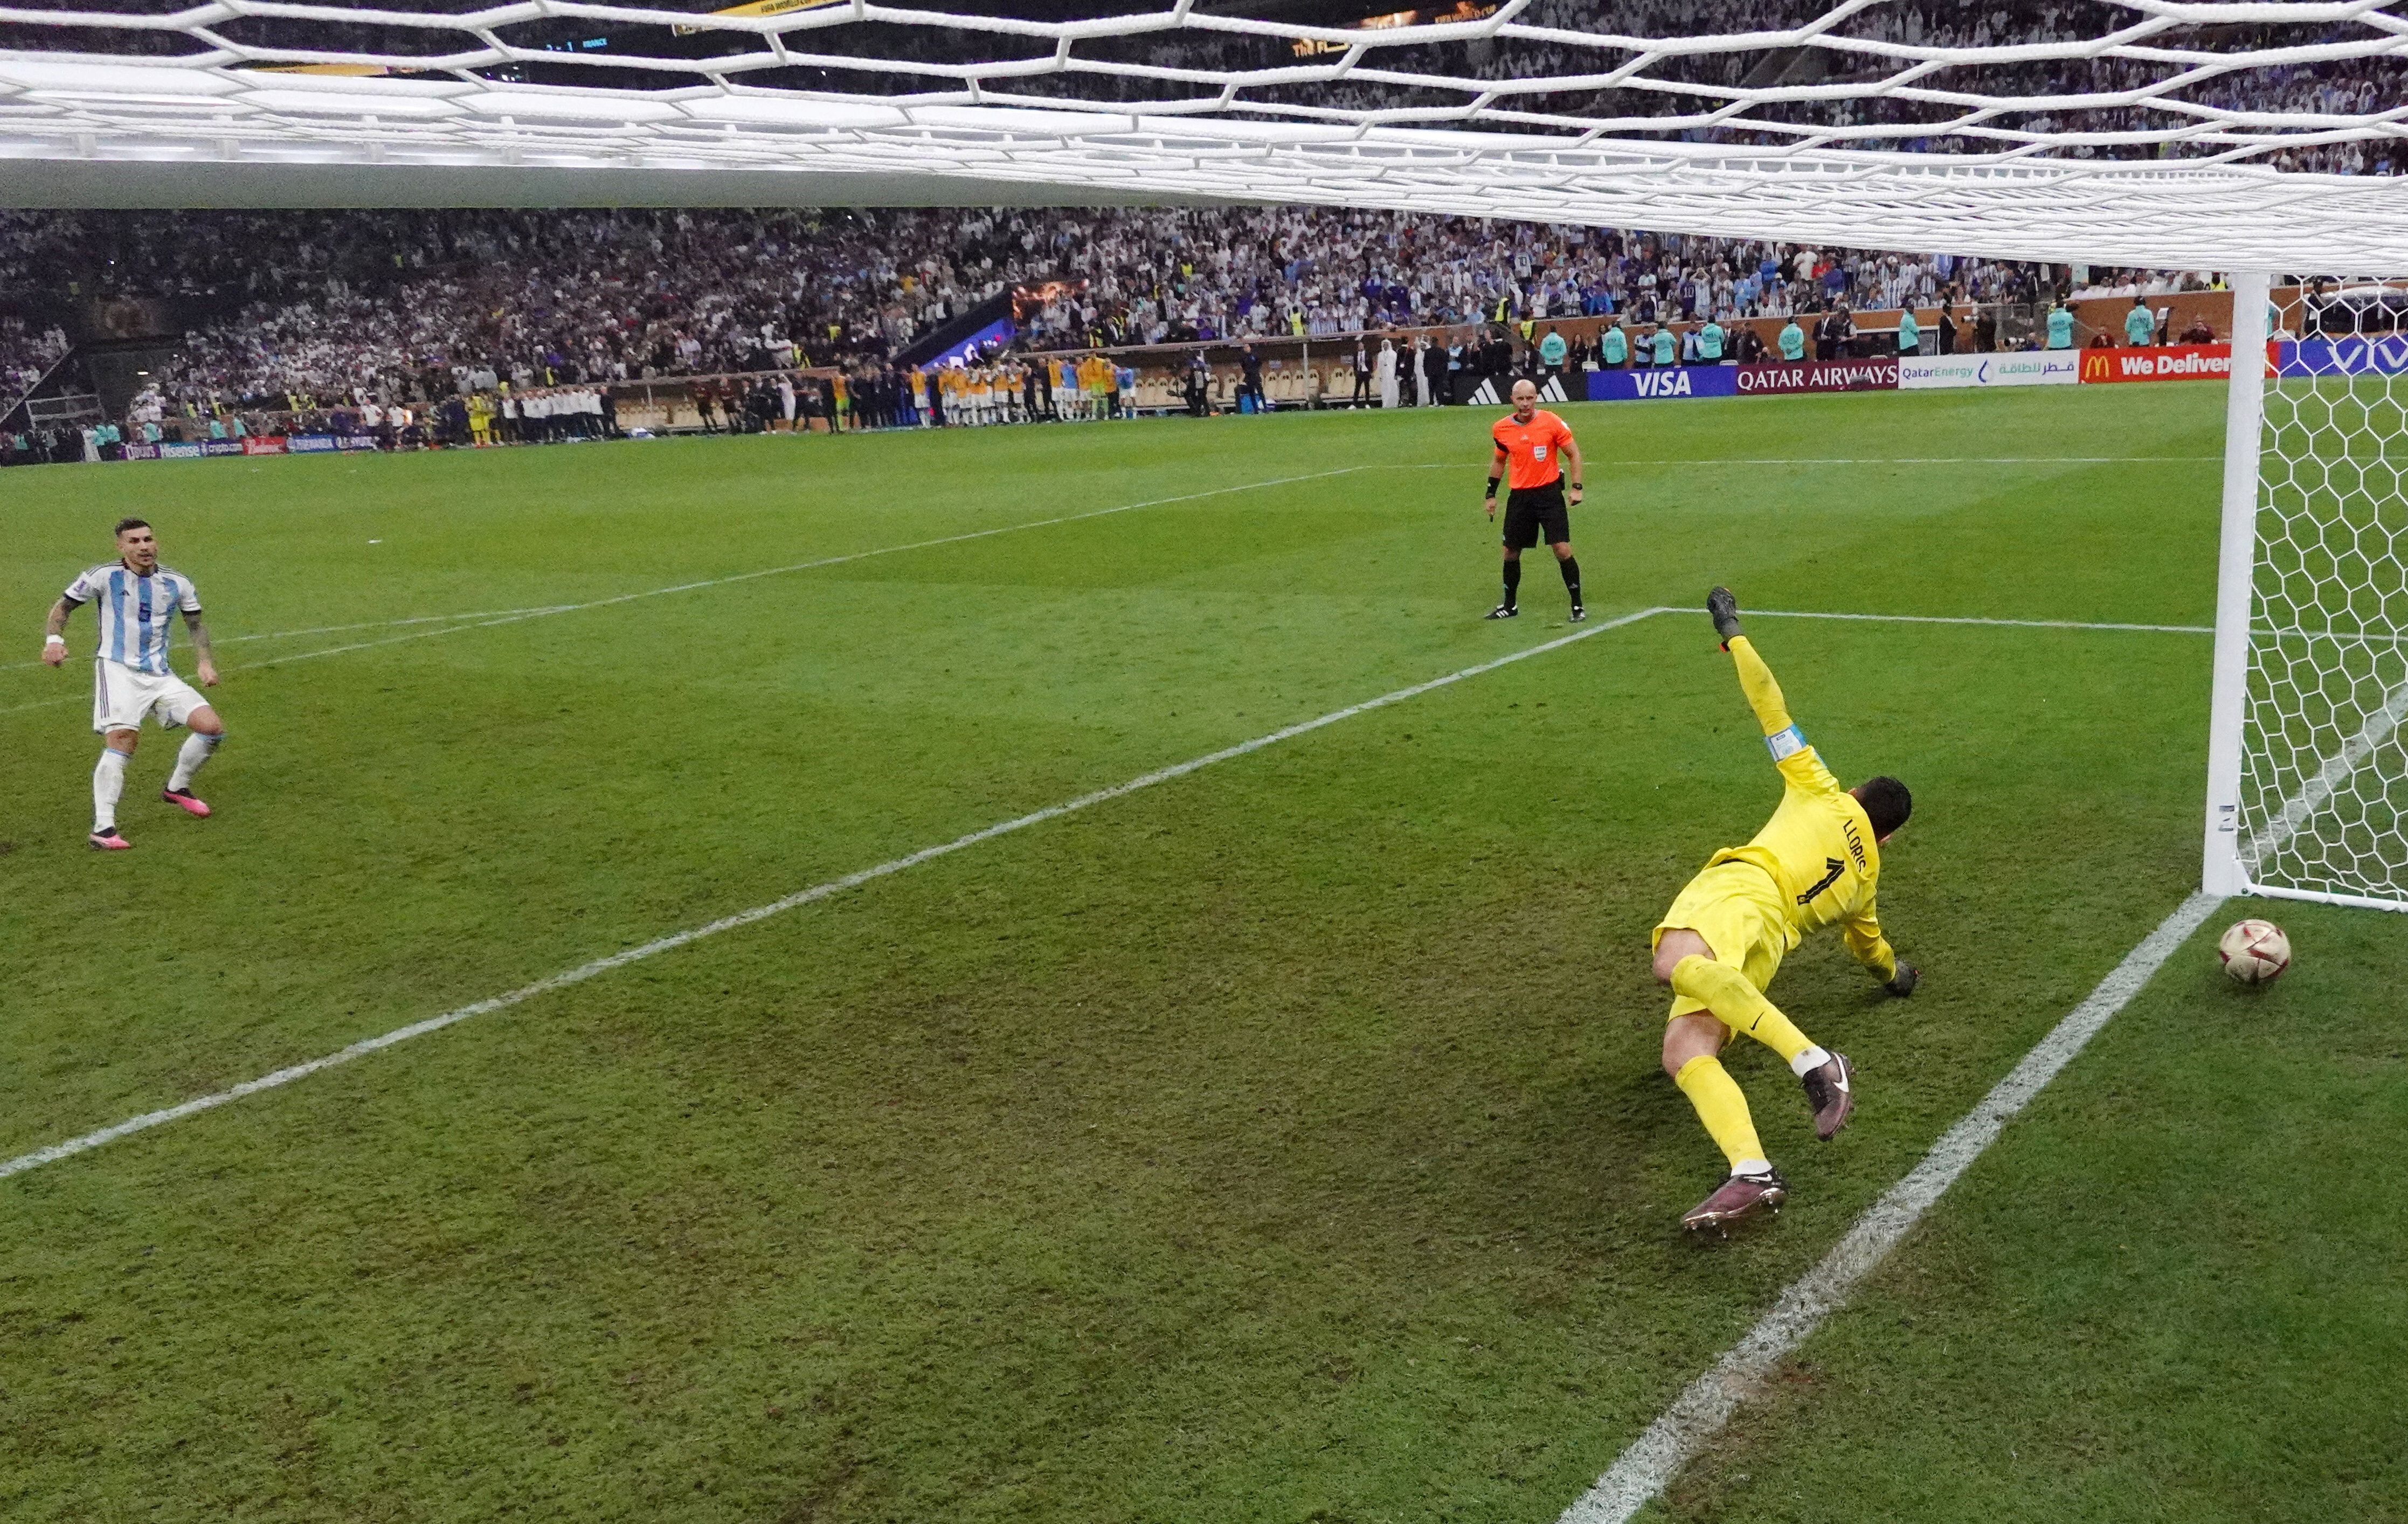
2386	355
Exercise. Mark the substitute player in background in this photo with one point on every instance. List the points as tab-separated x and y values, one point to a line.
1531	446
1814	864
134	598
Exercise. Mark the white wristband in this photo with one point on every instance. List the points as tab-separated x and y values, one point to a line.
54	640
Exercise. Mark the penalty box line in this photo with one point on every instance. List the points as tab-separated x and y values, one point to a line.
584	971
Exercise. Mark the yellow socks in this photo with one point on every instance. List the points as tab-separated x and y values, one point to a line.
1755	681
1724	1110
1739	1005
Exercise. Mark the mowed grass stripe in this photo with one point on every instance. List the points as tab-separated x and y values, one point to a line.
277	1078
563	980
845	1163
514	616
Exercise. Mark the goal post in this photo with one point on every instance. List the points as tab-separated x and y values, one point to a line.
2307	792
2243	417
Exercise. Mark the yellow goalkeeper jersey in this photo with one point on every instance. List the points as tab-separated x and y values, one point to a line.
1818	847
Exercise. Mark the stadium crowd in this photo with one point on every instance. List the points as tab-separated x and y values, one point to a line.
27	352
419	306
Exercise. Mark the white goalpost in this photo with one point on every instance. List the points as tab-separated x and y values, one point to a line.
2307	763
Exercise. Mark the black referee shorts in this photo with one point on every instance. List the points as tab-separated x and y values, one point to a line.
1533	515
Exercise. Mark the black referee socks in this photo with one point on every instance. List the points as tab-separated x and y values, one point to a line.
1513	580
1570	565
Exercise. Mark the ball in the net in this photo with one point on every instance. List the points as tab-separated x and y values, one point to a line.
2254	952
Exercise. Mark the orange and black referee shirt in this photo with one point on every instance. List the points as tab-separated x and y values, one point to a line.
1533	451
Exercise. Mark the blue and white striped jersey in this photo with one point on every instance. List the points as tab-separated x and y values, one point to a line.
133	611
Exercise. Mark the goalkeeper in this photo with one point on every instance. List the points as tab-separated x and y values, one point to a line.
1814	863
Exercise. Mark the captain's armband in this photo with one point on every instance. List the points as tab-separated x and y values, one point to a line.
1784	744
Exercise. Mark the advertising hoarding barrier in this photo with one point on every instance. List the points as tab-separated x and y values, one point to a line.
1877	374
1659	382
2158	362
2014	368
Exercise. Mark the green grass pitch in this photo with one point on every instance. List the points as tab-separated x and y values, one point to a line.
1282	1141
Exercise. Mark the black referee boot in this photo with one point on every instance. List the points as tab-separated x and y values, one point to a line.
1503	610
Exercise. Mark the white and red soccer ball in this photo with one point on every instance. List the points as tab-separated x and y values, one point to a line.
2254	952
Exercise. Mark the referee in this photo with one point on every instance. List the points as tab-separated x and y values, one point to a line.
1532	446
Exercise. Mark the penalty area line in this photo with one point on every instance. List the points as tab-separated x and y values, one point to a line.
1699	1413
584	971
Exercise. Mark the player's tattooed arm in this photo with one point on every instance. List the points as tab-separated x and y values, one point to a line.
54	633
200	634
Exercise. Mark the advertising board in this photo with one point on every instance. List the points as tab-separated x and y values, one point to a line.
2027	368
270	444
1873	375
1657	383
2158	362
2384	355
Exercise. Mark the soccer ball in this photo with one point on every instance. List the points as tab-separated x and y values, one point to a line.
2254	952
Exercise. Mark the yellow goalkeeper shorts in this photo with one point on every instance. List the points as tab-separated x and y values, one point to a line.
1737	908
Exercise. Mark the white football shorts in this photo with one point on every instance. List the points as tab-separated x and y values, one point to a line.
122	696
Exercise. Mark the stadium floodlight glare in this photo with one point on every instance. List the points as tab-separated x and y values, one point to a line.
2145	132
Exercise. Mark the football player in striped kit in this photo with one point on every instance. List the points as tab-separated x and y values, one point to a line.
134	600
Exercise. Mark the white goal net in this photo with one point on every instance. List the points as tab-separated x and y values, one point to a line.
2320	806
2133	132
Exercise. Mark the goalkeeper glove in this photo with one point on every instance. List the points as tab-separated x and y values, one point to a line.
1902	982
1725	608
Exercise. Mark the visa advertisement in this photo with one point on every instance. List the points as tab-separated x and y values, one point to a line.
1662	382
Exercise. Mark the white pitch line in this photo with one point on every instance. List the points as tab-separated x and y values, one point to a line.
583	972
822	561
513	616
1701	1410
1857	460
1751	614
1974	619
2319	791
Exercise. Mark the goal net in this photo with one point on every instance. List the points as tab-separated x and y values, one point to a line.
2316	766
2130	132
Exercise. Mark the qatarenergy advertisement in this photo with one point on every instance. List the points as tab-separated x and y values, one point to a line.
2021	368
